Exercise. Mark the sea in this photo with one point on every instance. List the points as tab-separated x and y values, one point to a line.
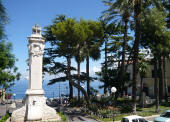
51	91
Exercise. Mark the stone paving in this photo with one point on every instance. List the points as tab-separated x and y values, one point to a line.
75	115
3	109
6	107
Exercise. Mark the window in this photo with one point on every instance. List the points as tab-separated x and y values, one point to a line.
125	120
142	120
166	114
134	120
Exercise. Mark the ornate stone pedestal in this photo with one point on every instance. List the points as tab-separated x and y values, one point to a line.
35	108
35	113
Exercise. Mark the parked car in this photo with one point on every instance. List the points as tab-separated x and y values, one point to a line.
134	118
164	117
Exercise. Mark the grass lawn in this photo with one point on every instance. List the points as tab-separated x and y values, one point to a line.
63	117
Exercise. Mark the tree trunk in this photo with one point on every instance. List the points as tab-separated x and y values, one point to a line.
135	54
78	74
165	83
83	91
88	79
141	92
156	86
69	77
124	47
122	67
105	72
160	80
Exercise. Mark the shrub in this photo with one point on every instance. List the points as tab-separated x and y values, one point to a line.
167	104
4	118
94	108
108	113
126	108
63	117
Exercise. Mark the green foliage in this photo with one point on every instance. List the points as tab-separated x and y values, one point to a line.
62	115
8	70
166	104
92	43
154	32
113	80
3	19
122	104
166	4
67	38
76	103
94	108
4	118
65	34
107	113
143	66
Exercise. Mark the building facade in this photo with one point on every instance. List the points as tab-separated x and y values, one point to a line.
149	80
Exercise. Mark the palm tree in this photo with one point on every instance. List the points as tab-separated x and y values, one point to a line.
92	44
93	52
79	54
123	9
79	58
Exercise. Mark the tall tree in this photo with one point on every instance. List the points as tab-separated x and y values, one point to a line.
65	33
65	37
156	37
143	67
110	29
92	45
122	9
3	19
166	4
137	11
119	10
79	54
8	70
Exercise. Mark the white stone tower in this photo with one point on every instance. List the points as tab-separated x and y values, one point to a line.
35	108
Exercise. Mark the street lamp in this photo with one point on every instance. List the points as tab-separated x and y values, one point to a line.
113	91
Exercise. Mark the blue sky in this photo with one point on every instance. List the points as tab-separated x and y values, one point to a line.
23	14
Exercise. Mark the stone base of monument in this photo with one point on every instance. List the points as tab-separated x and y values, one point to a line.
35	109
48	114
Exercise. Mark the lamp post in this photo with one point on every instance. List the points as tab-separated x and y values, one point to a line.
113	91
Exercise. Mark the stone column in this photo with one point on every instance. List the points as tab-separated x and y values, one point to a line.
35	108
35	93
